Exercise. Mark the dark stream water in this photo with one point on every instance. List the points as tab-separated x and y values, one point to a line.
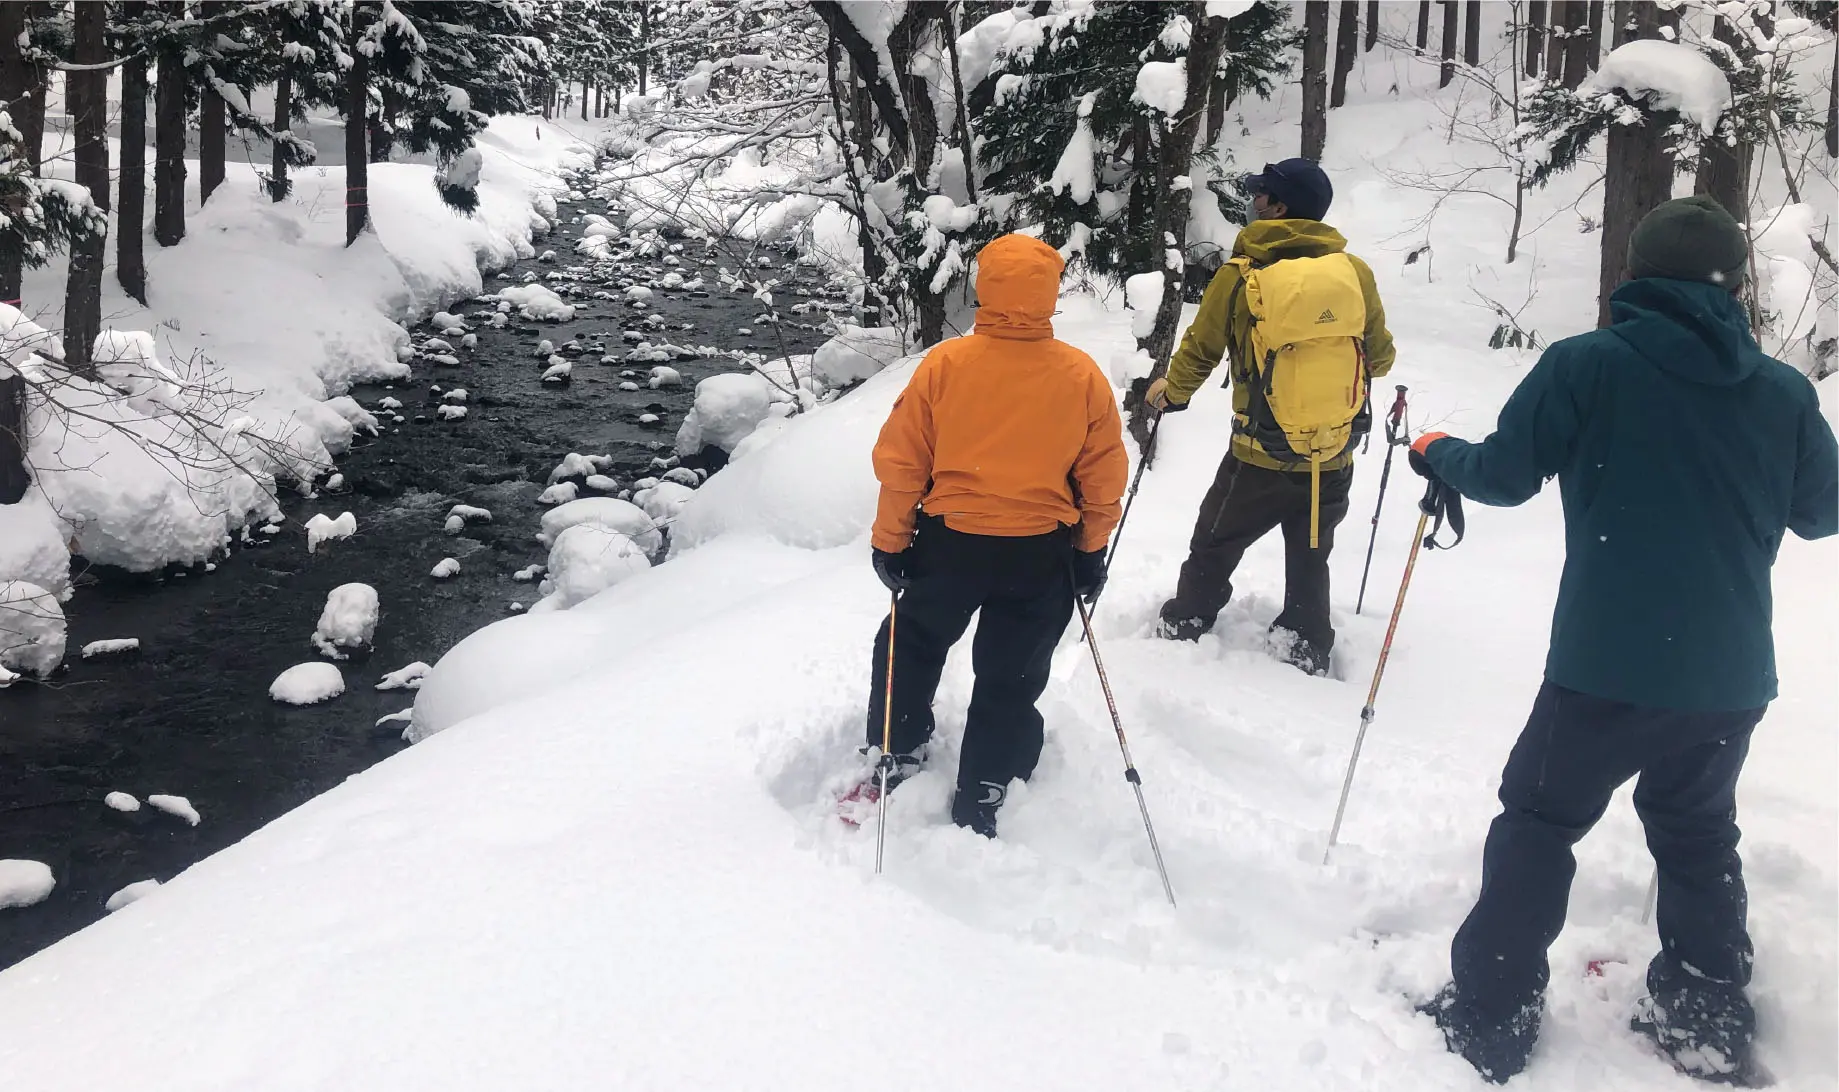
190	715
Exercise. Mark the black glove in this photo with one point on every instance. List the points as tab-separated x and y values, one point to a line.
1088	574
891	570
1420	460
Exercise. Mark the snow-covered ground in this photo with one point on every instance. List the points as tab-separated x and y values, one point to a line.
619	865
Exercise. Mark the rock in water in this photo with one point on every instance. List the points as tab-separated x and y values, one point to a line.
307	684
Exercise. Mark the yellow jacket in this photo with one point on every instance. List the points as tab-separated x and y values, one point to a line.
1215	333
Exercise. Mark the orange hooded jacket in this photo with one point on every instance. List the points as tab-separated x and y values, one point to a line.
1006	432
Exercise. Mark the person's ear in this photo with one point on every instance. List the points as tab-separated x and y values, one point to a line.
1278	210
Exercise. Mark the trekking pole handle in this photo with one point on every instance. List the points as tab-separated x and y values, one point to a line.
1395	419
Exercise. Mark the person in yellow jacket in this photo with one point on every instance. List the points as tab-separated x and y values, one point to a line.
1002	470
1254	490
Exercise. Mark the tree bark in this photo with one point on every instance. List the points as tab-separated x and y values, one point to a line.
169	150
1315	78
1372	26
1423	24
1594	56
1217	105
15	87
644	43
1832	105
86	94
278	184
1171	218
1724	169
1577	44
357	155
211	119
1626	17
131	209
1347	43
382	129
583	100
15	479
1471	34
1450	20
1558	14
1638	179
1535	36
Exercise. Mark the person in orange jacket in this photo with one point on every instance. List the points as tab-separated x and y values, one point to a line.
1002	470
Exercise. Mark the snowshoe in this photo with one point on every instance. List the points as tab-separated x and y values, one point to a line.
867	792
1732	1064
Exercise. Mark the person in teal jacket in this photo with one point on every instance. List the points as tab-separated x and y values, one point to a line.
1683	455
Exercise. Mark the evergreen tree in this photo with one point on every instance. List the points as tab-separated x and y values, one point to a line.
303	41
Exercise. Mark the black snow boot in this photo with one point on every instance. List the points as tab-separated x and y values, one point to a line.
975	806
1497	1050
1703	1034
1173	625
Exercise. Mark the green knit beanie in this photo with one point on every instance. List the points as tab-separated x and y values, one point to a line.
1689	239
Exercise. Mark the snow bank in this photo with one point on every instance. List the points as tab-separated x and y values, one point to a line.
32	544
586	560
502	663
856	353
349	620
727	408
307	684
1669	75
24	883
31	629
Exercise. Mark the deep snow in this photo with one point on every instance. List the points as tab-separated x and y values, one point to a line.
618	865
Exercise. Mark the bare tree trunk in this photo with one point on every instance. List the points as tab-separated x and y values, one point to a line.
383	128
1347	45
965	143
1577	44
1217	105
1372	26
86	95
1724	168
278	184
583	100
15	86
1558	14
1171	223
15	479
1450	20
169	150
357	155
1832	104
1535	36
210	128
1639	178
1594	56
1471	34
131	209
644	42
1315	78
1423	24
1625	14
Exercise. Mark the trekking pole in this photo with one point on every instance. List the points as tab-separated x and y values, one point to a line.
1395	432
1117	533
886	765
1438	499
1130	766
1653	896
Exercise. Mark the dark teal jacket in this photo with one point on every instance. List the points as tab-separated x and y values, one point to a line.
1682	453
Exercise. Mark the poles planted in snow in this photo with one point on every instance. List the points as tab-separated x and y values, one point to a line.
886	765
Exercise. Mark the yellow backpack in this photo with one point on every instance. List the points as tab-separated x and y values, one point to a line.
1307	372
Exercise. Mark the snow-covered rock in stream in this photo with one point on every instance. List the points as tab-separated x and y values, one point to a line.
600	483
307	684
445	321
457	394
177	806
322	529
605	512
349	620
559	493
856	353
470	513
727	408
121	801
536	302
25	883
558	373
664	500
359	418
638	292
32	629
450	413
111	646
133	892
585	560
405	678
446	568
662	376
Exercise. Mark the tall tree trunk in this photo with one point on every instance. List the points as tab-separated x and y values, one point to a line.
644	43
131	209
1594	56
1626	17
1423	24
1832	104
1171	218
583	100
15	87
1450	20
211	119
278	184
1535	36
1315	78
1724	168
86	94
357	156
1372	26
1471	34
169	150
1347	44
382	128
1217	105
1577	44
1638	179
1557	17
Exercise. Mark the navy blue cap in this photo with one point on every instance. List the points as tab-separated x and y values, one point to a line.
1298	183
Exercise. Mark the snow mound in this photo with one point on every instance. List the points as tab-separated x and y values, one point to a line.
134	892
856	352
536	302
727	408
32	631
321	529
109	647
505	662
307	684
32	544
608	513
1669	75
349	620
24	883
177	806
121	801
445	568
662	376
664	500
586	560
559	493
405	678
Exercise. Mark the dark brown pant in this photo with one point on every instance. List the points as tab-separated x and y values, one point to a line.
1243	505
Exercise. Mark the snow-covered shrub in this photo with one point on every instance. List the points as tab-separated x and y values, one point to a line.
586	560
32	630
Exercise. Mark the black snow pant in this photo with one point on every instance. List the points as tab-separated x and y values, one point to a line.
1575	751
1244	503
1023	587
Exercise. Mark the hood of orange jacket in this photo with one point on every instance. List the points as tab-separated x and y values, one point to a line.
1018	284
